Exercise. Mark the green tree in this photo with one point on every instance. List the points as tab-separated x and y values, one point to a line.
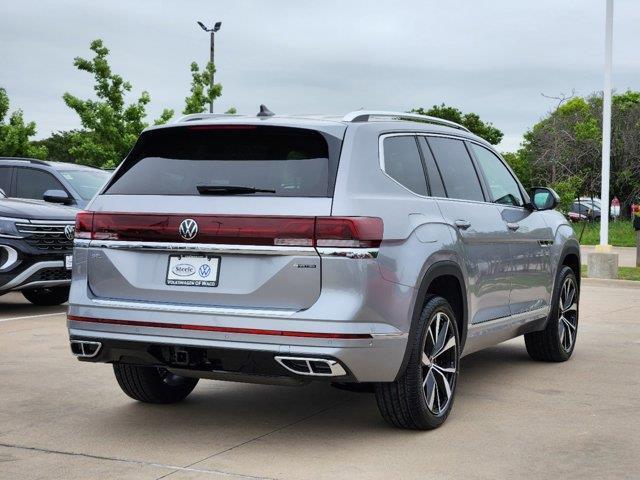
59	144
564	148
15	133
202	92
518	161
470	120
111	127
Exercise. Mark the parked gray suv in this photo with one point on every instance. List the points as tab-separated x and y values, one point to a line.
375	248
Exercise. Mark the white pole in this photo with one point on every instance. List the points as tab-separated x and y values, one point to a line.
606	126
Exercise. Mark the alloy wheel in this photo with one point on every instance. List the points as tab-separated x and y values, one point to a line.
568	314
439	363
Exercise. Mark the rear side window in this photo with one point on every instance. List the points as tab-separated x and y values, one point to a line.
458	173
5	179
32	183
402	163
175	161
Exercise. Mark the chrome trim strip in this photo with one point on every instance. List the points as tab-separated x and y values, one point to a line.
359	253
46	283
167	307
398	335
481	328
36	267
12	256
16	220
52	223
201	247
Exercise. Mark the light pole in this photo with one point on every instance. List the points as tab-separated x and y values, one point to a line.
603	263
212	31
606	126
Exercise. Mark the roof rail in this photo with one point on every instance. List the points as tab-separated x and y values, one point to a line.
365	116
23	159
192	117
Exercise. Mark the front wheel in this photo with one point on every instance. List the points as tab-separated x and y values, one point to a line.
422	397
556	342
152	384
47	296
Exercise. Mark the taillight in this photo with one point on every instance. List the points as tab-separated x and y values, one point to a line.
84	225
352	232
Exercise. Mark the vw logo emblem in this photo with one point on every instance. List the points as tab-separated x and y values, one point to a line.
69	230
188	229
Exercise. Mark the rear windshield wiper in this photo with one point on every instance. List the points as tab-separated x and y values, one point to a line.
229	190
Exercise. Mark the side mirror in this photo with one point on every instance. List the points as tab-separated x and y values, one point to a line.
56	196
2	194
543	198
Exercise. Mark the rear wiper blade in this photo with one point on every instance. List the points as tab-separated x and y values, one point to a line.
229	190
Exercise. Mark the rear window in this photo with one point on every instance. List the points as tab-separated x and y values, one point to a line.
294	162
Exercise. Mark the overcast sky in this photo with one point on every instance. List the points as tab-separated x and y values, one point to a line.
491	57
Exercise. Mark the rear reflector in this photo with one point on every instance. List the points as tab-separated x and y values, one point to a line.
208	328
358	232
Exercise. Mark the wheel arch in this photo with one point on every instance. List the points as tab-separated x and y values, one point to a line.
443	278
570	257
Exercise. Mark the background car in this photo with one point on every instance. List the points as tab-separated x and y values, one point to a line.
583	209
36	241
56	182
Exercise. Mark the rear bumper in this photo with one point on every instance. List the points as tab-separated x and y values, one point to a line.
359	319
374	359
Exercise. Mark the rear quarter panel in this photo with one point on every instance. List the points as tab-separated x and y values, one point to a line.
415	233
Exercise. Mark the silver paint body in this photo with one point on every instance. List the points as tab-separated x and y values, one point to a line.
509	275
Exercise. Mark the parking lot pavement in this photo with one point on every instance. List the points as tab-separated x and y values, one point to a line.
60	418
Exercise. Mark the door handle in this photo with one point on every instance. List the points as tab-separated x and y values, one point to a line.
462	224
513	226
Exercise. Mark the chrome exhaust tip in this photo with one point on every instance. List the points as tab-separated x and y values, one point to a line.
318	367
84	348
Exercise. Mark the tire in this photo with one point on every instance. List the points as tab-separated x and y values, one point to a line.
47	296
152	384
422	397
557	341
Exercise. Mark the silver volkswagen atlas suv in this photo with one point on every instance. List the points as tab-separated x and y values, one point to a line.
375	248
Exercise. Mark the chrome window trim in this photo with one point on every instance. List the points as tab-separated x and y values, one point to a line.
199	247
424	134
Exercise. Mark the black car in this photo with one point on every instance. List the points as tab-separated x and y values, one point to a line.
36	241
57	182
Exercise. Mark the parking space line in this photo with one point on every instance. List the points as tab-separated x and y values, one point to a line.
31	316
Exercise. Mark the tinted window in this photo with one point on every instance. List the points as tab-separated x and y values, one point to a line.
459	175
5	179
504	189
402	163
435	180
86	182
175	161
32	183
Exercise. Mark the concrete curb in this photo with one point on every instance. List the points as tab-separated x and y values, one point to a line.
604	282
